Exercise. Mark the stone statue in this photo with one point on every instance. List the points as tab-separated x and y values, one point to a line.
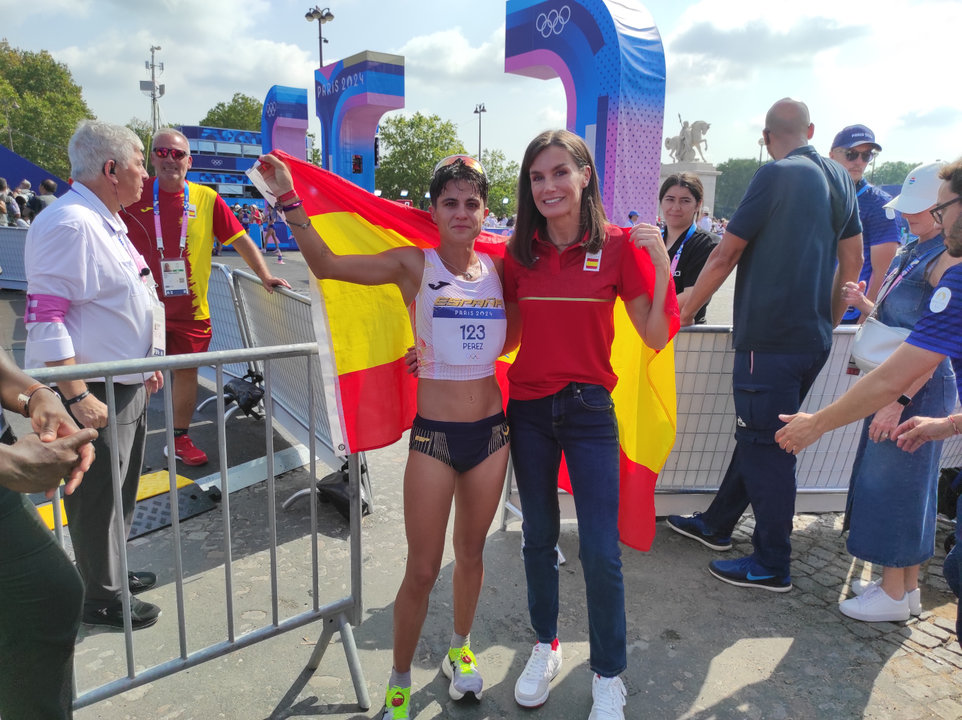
682	147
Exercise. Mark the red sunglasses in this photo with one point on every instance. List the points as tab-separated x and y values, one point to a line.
163	152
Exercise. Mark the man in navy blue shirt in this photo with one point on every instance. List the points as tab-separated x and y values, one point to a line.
798	217
854	148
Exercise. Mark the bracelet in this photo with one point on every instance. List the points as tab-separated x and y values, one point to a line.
290	194
954	426
76	398
302	226
293	206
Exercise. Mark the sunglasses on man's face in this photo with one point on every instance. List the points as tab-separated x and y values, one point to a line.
866	155
163	152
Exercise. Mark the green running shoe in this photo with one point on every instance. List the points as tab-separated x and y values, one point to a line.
461	668
396	703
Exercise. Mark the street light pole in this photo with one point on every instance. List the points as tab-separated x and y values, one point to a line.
152	88
6	114
322	16
478	109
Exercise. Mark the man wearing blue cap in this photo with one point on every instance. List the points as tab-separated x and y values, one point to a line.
854	148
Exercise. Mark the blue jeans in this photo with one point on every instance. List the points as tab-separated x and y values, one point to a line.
952	568
760	473
579	421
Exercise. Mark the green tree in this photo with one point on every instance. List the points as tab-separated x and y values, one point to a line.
314	150
143	129
243	112
410	148
730	187
502	183
892	172
40	106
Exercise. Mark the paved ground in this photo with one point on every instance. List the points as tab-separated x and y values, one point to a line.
698	649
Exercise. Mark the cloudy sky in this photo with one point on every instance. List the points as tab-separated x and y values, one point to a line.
886	64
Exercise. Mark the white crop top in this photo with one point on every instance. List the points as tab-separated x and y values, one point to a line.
461	325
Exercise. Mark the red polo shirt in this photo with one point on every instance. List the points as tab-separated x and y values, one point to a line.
567	313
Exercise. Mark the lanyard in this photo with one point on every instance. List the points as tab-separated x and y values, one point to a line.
183	224
674	260
862	190
890	281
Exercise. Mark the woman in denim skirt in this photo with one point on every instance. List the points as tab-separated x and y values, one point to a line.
891	508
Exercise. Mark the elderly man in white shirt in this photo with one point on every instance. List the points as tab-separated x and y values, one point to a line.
91	298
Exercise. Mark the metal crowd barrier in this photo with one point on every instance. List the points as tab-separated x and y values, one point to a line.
705	430
280	318
13	274
706	425
227	333
338	615
704	437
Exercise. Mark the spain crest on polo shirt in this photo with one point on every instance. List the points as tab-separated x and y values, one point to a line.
592	261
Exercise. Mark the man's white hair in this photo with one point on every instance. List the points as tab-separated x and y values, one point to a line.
94	143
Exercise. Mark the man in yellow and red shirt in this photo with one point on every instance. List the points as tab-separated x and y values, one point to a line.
174	226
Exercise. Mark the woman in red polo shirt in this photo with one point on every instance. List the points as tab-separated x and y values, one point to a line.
566	267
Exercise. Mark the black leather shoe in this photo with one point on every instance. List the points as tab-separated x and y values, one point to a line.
140	581
111	614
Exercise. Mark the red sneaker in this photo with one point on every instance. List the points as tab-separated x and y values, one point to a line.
187	452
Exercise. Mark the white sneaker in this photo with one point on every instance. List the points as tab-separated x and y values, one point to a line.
914	597
609	698
874	605
542	667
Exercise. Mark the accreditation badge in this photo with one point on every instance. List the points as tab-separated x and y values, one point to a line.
173	276
158	328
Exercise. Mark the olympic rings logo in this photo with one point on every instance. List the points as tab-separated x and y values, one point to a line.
553	22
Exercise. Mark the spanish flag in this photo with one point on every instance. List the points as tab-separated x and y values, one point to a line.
364	332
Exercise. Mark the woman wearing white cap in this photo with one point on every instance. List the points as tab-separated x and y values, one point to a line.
891	507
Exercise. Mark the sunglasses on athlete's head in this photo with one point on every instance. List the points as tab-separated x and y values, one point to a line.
163	152
866	155
463	159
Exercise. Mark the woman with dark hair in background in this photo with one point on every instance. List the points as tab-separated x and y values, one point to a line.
688	247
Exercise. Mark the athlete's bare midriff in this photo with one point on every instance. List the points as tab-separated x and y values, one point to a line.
459	400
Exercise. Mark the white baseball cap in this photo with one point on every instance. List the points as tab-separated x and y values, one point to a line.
920	191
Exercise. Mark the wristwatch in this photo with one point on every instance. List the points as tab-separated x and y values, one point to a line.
24	398
904	400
